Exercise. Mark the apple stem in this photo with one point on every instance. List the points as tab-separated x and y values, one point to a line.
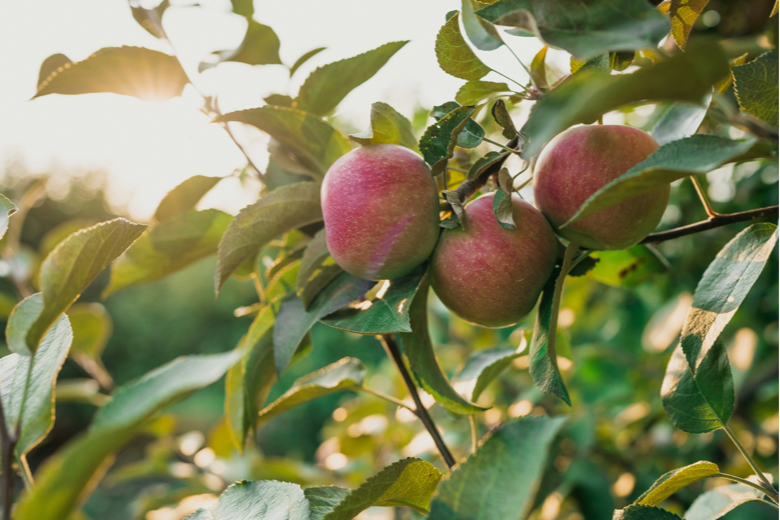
705	201
711	223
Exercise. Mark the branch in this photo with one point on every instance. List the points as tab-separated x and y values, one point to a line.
394	353
471	186
711	223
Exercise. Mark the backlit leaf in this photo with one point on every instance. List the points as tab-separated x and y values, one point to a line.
92	328
483	366
387	126
715	503
539	69
264	499
756	86
259	47
500	480
129	71
454	55
639	512
473	92
673	481
50	65
438	142
680	120
322	499
7	208
304	58
683	14
184	197
243	7
317	270
324	89
627	268
150	19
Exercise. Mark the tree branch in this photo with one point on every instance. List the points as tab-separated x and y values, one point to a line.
470	187
711	223
394	353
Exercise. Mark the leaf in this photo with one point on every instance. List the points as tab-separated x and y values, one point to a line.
490	159
501	115
259	47
500	480
422	359
92	328
30	391
473	92
407	483
502	200
304	58
680	120
683	14
387	126
539	69
243	7
627	268
543	360
458	212
587	95
293	321
64	479
470	136
756	87
184	197
621	60
774	9
280	100
438	143
600	63
317	270
386	314
454	55
638	512
322	499
129	71
717	502
483	366
50	65
585	29
481	33
693	155
150	19
169	247
673	481
264	499
345	374
315	142
72	266
284	209
324	89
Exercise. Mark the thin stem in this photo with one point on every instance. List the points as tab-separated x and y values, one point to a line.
720	220
500	145
518	60
742	481
513	81
241	147
461	170
768	485
388	398
474	432
705	201
27	475
7	445
394	353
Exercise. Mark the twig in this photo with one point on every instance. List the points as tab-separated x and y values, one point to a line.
382	395
741	481
705	201
394	353
471	186
769	490
715	222
7	445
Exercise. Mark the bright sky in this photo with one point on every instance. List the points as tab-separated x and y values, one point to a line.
148	148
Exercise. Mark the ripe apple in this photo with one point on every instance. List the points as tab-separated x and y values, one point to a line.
381	211
576	164
492	276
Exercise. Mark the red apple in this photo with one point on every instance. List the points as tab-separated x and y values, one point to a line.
492	276
576	164
381	211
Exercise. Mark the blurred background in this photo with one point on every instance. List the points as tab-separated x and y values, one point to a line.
77	160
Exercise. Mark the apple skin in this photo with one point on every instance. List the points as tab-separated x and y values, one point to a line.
580	161
491	276
381	211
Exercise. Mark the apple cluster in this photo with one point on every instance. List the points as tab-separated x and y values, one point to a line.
381	210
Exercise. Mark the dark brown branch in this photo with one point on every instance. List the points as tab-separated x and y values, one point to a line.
471	186
712	223
394	353
7	444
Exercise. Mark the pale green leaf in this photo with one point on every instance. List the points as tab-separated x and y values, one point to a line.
680	120
539	69
387	126
473	92
683	14
484	366
92	328
261	500
184	197
454	55
7	208
243	7
481	33
717	502
322	499
259	47
304	58
756	86
627	267
673	481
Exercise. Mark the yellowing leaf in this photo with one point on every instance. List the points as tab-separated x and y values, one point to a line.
454	54
683	14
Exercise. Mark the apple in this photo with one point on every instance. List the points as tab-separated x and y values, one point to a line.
489	275
580	161
381	211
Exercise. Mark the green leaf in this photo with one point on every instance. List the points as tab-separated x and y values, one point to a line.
184	197
600	63
481	33
280	100
587	95
260	46
627	268
502	117
500	480
324	89
422	359
621	60
585	29
680	120
483	366
317	270
293	321
150	19
304	58
386	314
454	55
491	159
717	502
129	71
243	7
50	65
539	69
168	247
316	144
470	136
438	143
673	481
693	155
72	266
92	328
345	374
264	499
284	209
683	14
502	200
473	92
387	126
407	483
33	397
63	480
638	512
322	499
756	86
543	360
